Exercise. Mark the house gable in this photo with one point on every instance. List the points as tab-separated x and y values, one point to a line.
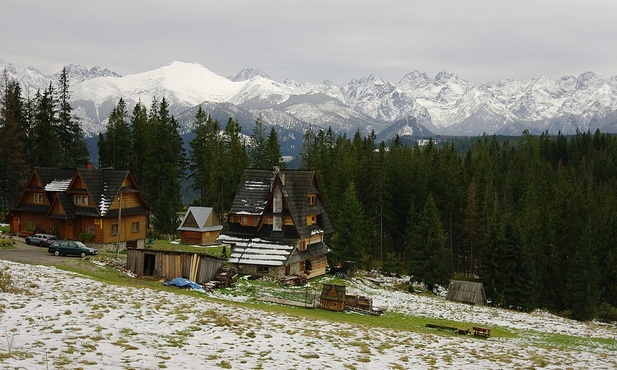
73	202
279	207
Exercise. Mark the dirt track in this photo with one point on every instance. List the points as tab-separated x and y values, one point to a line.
31	254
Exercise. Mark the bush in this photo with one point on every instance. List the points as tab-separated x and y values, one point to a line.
86	237
6	243
607	312
6	282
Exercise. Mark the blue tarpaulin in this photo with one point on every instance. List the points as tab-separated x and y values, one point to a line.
184	283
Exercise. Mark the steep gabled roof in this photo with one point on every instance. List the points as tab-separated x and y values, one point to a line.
196	218
297	186
103	185
253	192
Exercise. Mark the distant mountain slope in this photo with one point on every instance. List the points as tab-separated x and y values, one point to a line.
445	104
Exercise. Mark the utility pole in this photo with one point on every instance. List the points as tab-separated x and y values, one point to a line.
119	223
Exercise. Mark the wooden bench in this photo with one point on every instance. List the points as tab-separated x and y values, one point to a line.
481	332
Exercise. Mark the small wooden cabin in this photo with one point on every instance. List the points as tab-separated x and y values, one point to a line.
200	226
200	268
332	297
466	292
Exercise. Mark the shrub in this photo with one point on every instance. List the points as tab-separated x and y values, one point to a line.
6	243
607	312
86	237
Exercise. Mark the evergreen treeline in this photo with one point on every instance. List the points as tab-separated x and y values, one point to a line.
148	143
535	220
36	131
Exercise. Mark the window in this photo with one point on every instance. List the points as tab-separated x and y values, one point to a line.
311	220
249	221
263	269
31	224
114	229
38	198
135	227
302	245
312	199
90	229
81	199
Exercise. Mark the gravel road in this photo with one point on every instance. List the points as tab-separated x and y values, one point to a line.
31	254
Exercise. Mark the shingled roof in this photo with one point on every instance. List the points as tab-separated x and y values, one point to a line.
102	185
255	193
196	218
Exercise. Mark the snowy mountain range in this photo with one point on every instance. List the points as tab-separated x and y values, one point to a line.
417	105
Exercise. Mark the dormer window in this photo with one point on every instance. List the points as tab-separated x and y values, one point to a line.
81	200
38	198
312	199
311	220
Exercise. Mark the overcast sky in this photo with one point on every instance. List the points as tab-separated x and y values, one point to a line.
311	41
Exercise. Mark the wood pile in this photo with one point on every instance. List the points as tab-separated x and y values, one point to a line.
294	280
225	277
361	304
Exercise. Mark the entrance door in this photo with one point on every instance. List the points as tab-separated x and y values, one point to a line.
149	264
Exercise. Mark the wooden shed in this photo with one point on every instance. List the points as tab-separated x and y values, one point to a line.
197	267
466	292
332	297
200	226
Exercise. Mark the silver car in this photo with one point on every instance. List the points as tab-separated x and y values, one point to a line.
42	240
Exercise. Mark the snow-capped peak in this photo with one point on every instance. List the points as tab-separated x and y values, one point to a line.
248	73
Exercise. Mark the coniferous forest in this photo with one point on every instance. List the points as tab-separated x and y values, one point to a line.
532	217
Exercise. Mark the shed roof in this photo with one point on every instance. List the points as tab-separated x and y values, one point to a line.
196	218
257	251
466	292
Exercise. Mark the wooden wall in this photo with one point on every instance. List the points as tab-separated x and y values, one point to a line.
199	268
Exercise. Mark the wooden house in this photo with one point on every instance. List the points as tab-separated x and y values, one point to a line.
466	292
197	267
277	224
103	206
332	297
200	226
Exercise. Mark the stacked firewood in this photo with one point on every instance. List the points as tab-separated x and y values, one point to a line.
226	276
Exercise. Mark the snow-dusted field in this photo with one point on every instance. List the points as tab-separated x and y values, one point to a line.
68	321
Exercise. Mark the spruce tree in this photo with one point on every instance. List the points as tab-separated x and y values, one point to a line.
236	160
73	150
139	129
118	143
430	257
45	146
258	153
350	241
274	155
12	145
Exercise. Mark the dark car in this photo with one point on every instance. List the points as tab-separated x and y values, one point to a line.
71	248
42	240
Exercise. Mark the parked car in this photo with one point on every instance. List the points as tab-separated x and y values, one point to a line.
42	240
71	248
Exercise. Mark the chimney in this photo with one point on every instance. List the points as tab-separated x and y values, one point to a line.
277	171
89	166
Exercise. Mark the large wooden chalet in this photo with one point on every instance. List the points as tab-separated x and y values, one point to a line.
105	204
277	224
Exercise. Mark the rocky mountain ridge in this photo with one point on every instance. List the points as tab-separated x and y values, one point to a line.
445	104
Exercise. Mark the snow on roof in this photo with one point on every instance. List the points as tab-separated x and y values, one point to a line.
58	185
257	251
104	205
